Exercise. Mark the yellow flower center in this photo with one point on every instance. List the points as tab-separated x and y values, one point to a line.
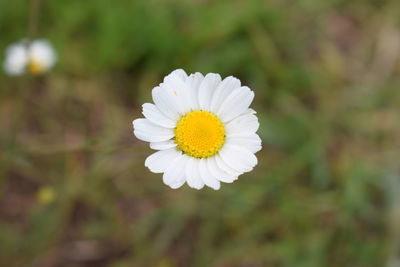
200	134
34	67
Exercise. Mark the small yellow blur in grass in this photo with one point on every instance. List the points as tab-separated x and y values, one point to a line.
200	134
46	195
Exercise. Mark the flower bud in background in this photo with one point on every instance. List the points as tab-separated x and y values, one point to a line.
36	57
46	195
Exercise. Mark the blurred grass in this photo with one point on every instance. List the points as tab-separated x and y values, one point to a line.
325	191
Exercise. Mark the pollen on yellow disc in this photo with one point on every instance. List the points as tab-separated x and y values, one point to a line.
200	134
34	67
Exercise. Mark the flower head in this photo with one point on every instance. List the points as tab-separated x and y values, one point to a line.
36	57
203	128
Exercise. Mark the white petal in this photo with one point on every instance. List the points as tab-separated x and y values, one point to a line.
159	161
193	83
219	173
16	59
224	89
238	158
41	51
178	183
225	167
251	111
193	178
178	92
176	74
166	103
209	179
153	114
246	123
162	145
236	103
174	175
249	141
207	89
149	132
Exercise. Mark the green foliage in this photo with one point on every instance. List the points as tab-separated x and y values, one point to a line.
324	193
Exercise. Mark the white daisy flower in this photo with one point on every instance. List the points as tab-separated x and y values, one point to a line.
36	57
203	128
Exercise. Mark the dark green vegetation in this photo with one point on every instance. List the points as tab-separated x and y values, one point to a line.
326	191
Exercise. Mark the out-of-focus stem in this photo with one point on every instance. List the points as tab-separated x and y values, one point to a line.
32	26
394	221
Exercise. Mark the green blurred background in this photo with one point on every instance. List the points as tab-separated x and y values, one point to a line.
326	192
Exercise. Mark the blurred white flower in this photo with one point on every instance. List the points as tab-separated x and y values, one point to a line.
36	57
203	128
